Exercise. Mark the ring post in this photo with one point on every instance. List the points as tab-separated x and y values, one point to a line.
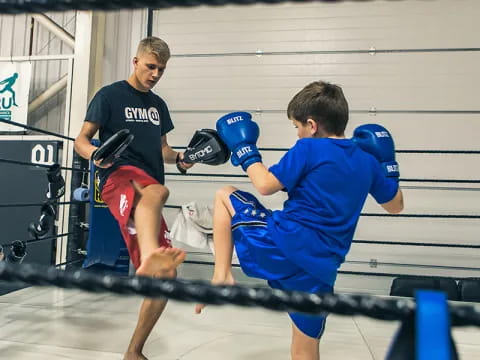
432	323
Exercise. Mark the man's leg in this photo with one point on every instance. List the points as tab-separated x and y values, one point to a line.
149	201
160	262
222	239
149	313
303	346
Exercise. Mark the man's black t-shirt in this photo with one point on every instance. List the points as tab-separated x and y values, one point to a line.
120	106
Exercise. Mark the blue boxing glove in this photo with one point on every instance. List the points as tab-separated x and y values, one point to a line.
376	140
240	134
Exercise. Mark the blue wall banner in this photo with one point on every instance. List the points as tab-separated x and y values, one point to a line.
14	89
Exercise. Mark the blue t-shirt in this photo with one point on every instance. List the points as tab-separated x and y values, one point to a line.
328	181
121	106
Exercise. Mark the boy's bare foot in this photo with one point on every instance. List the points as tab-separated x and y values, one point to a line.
224	280
162	262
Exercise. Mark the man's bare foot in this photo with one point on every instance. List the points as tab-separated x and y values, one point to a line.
224	280
134	356
162	262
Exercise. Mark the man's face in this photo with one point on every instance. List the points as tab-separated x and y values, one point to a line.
148	70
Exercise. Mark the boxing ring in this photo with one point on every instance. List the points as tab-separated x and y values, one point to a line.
425	322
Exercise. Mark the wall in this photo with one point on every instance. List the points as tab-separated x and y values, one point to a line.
411	66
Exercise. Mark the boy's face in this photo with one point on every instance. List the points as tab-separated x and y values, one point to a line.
304	130
148	70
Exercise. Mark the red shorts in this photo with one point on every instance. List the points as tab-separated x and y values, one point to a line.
119	194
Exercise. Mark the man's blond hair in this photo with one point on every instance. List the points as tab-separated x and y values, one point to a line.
156	46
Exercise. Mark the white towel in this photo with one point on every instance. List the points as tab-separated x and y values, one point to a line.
194	226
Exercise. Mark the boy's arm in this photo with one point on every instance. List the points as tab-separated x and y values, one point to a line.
263	180
395	205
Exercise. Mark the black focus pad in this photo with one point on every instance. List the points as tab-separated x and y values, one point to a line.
113	147
206	147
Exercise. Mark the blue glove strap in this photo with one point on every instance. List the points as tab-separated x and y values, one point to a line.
391	169
246	155
250	161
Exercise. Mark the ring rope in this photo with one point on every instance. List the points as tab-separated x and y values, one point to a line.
435	216
361	273
468	246
16	162
203	292
53	237
455	181
456	152
68	263
39	204
20	6
35	128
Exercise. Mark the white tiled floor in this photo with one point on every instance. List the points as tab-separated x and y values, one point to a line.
51	323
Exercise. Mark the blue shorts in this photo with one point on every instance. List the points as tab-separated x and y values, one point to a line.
260	257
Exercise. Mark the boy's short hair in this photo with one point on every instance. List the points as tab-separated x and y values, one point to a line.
322	102
156	46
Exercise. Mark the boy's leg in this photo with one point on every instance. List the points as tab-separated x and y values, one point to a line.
222	236
303	346
222	239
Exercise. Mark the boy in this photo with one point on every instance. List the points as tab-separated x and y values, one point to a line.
327	177
133	185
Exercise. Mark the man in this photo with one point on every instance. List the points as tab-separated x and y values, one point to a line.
133	185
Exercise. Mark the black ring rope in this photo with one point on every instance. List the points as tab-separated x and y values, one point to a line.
350	272
409	265
452	181
463	152
203	292
379	274
53	237
353	111
467	246
453	152
21	6
243	176
68	263
40	204
28	127
433	216
16	162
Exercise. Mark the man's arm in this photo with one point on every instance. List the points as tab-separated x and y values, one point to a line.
395	205
263	180
169	155
83	145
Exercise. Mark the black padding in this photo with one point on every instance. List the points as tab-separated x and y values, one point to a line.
113	147
469	289
406	286
206	147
